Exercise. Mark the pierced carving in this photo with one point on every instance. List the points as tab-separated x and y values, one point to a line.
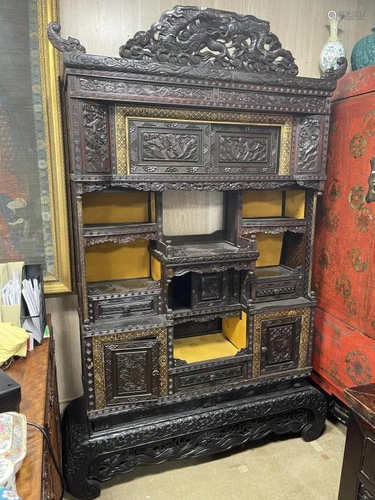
193	36
61	44
95	133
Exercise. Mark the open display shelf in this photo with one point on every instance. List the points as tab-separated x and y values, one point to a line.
203	348
194	183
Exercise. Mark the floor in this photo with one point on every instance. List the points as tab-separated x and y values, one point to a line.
276	469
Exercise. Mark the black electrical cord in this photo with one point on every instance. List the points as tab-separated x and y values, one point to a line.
46	437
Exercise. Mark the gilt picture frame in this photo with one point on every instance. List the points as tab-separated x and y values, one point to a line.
33	198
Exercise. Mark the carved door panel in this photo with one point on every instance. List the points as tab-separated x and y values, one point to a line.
309	146
95	138
131	371
280	344
209	289
178	147
245	149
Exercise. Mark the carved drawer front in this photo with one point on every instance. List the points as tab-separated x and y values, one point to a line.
209	377
209	289
280	344
266	292
106	309
131	371
158	146
180	147
245	149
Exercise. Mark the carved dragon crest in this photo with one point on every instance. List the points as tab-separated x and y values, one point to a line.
198	36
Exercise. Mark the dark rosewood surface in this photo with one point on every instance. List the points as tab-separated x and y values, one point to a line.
187	357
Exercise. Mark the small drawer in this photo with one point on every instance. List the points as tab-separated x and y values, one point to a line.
209	290
123	307
267	292
209	377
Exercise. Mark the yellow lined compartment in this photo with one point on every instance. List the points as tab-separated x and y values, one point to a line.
155	269
110	208
234	330
269	246
112	261
295	204
262	204
203	348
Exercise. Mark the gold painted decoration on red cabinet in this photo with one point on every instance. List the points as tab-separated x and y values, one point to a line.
357	145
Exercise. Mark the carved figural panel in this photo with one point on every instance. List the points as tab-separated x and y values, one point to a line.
167	146
309	133
95	138
180	145
131	371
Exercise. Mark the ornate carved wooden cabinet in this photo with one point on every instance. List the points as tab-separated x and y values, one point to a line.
195	162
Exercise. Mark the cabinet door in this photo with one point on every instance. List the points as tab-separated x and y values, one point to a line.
281	341
209	289
131	371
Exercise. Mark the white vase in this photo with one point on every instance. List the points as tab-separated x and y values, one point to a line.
333	48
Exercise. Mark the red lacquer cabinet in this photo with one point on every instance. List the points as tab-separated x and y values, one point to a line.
344	256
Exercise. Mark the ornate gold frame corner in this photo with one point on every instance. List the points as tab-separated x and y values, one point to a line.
61	281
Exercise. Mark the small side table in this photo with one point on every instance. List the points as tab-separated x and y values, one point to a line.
358	469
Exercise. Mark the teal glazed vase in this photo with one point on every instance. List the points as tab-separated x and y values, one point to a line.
364	52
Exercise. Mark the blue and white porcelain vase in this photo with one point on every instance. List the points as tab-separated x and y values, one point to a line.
333	48
364	52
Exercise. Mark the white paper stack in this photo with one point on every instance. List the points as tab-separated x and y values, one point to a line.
31	291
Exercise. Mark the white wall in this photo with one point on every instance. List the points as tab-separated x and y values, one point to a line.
104	25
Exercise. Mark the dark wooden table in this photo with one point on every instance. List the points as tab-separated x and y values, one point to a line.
358	470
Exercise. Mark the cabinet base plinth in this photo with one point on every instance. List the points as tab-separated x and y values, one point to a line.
92	459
